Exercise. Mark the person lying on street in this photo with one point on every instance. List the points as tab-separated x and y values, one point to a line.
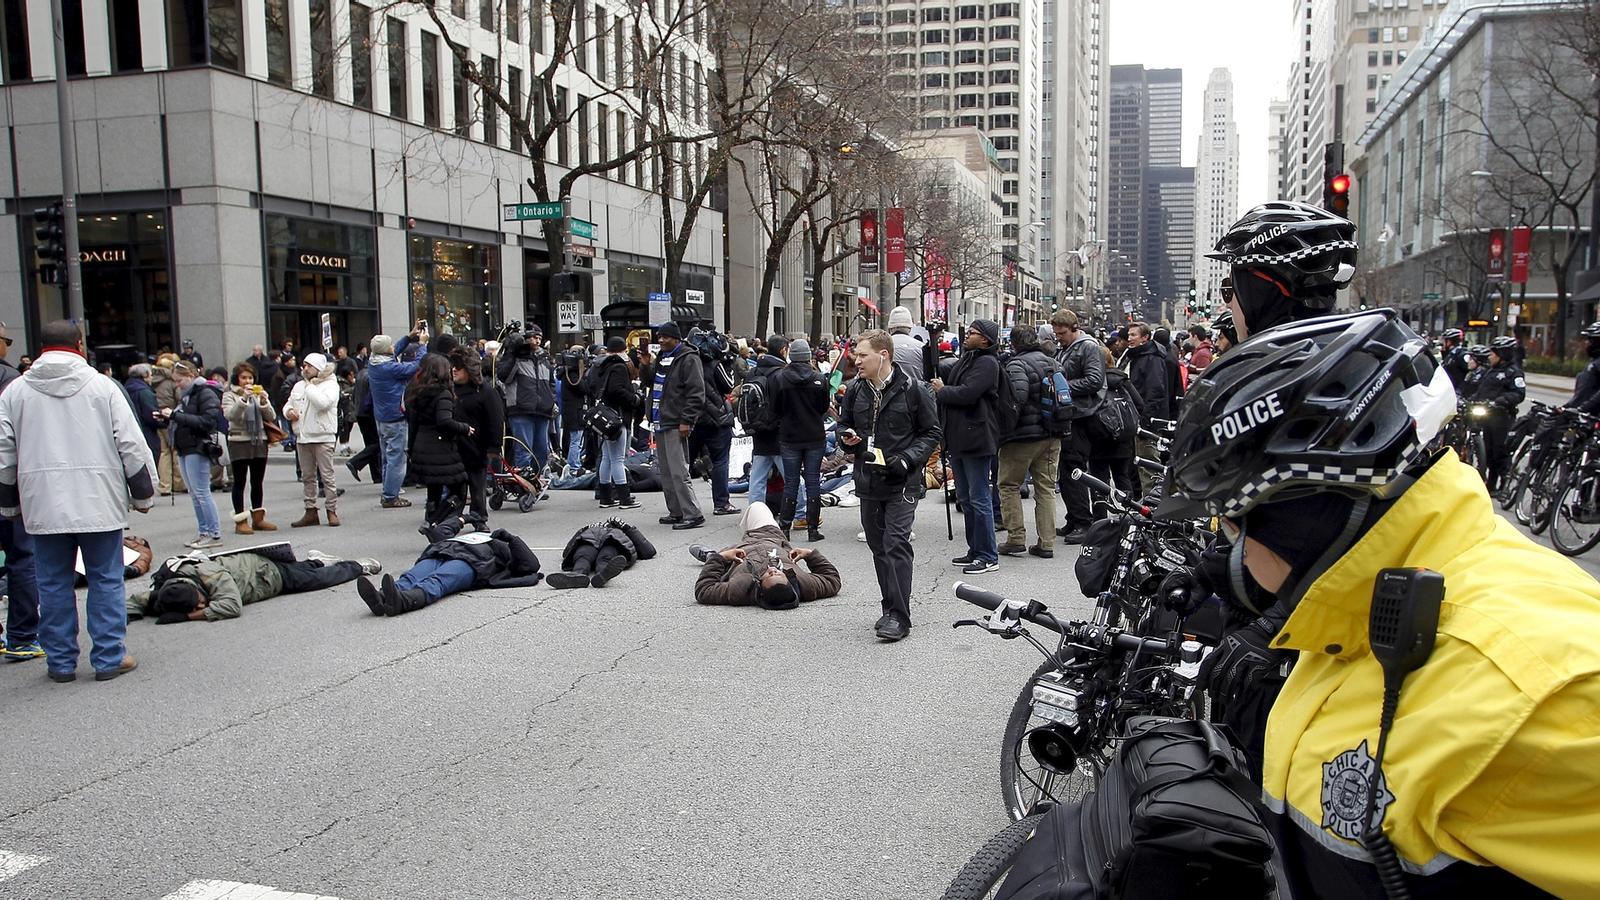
763	569
210	587
599	553
458	560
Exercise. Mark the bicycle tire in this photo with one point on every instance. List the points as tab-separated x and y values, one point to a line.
1516	476
1571	497
1544	495
1478	455
988	867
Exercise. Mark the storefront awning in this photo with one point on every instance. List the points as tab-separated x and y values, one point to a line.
1588	295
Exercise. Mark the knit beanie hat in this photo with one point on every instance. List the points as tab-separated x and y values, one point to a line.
799	350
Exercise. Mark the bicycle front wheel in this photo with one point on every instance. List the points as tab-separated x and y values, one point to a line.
980	878
1575	517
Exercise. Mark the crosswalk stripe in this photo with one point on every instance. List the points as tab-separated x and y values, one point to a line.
212	889
14	864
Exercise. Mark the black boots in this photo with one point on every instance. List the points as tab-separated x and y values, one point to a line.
786	516
565	580
813	518
612	568
624	496
608	497
393	600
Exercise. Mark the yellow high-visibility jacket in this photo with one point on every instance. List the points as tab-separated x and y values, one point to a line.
1494	758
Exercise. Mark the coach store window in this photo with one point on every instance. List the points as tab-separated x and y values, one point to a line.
127	290
316	267
454	286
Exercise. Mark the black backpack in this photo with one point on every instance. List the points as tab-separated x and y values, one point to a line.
1117	419
754	406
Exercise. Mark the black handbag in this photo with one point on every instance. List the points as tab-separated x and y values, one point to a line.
603	420
1174	818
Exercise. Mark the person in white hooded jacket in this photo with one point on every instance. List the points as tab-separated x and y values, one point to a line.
72	461
313	407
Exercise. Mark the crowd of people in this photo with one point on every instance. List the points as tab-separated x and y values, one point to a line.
1308	438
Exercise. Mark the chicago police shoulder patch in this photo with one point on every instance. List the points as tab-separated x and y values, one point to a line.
1346	781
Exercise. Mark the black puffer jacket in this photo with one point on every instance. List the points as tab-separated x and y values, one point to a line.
609	382
802	401
503	561
435	455
198	414
630	540
906	425
1025	375
480	406
968	405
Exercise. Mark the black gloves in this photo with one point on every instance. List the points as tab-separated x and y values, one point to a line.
1182	592
1244	676
899	467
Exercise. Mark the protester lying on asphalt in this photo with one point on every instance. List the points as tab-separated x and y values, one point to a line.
462	557
762	569
601	552
207	587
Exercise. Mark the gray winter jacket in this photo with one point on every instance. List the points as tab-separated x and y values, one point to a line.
1085	367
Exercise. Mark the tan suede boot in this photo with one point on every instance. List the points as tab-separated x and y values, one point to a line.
310	518
259	521
241	524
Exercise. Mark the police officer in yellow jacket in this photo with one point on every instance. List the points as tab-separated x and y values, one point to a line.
1315	443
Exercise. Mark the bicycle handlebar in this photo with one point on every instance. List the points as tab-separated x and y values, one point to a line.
1091	481
991	601
1149	465
1077	632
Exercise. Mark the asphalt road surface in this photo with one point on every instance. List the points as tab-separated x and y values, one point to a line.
528	743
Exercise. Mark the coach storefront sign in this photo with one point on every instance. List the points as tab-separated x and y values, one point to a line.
102	255
327	262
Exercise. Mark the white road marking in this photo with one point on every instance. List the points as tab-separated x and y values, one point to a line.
211	889
14	864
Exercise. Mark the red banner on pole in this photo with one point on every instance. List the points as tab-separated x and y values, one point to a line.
869	242
1497	254
1521	254
894	239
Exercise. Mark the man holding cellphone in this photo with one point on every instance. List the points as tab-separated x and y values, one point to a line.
891	426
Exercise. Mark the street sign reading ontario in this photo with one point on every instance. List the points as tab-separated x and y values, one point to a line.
523	212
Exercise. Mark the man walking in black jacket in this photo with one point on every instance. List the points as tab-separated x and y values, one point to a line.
766	452
802	400
891	427
968	407
1084	363
1032	447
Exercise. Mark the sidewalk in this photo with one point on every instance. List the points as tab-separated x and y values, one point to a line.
1551	383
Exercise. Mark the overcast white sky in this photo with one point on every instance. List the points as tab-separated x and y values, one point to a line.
1251	38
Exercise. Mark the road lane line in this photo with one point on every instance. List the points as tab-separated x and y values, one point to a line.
14	864
213	889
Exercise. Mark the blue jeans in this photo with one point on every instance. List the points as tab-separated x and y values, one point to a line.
972	489
575	449
717	441
798	463
437	578
533	437
22	611
197	472
613	453
106	608
761	469
392	436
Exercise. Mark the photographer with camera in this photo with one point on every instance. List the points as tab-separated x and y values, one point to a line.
529	376
193	424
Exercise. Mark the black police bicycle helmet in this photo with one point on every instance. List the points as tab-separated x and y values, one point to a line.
1453	334
1479	352
1592	330
1223	325
1311	251
1308	407
1503	344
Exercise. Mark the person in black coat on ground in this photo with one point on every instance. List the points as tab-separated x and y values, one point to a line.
464	558
435	454
601	552
478	405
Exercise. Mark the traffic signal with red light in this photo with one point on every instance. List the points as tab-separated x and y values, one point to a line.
1338	199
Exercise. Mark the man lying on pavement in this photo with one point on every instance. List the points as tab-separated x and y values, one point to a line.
212	586
763	569
462	557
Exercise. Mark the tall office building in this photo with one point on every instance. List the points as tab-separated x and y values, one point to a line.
1216	190
1346	52
1277	135
1150	207
977	65
1076	79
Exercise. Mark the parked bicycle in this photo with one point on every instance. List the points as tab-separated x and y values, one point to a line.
1575	511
